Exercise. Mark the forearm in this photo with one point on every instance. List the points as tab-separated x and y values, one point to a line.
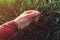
7	30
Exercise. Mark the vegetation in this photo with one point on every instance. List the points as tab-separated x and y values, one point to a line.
10	9
50	12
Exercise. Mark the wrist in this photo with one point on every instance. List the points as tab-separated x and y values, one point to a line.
22	23
13	24
18	24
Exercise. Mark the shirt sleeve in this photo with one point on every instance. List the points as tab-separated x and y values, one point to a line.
7	30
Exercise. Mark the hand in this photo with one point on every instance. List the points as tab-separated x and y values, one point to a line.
26	18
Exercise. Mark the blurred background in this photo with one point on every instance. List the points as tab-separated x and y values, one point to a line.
10	9
48	25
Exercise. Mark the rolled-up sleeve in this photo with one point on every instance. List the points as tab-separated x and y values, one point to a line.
7	29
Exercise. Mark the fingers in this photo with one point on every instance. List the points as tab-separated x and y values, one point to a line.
30	13
33	14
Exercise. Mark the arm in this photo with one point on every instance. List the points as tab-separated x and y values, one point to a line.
23	20
7	30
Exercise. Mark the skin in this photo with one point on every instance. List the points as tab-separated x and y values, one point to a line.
26	18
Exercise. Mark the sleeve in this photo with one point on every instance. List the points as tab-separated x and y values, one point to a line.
7	30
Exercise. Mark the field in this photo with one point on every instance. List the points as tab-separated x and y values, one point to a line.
10	9
50	14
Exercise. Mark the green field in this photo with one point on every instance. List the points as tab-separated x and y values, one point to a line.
10	9
48	25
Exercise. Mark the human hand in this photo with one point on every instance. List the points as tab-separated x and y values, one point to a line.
26	18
